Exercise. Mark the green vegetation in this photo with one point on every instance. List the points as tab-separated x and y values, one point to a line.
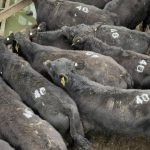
20	20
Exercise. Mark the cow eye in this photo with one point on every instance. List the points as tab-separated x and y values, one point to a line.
17	47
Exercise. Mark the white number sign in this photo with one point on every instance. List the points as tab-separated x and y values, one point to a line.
141	99
115	33
84	9
40	92
140	68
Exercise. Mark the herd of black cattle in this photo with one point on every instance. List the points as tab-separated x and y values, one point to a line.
83	69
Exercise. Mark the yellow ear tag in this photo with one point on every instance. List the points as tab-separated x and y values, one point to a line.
17	47
63	81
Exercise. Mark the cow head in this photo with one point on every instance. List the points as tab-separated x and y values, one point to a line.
71	32
40	28
19	39
32	33
9	39
79	41
59	70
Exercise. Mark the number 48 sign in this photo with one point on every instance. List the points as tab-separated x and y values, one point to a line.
143	98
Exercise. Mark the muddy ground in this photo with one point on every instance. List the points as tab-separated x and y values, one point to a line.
118	142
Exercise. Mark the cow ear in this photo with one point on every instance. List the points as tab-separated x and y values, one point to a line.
47	64
63	80
15	47
79	65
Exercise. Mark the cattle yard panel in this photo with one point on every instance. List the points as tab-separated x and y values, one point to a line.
20	21
3	23
7	10
4	14
2	2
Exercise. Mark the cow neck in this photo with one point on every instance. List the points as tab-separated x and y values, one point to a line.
28	49
100	47
3	46
5	60
49	35
4	55
78	85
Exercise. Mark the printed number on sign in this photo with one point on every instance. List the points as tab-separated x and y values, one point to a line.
84	9
40	92
115	34
93	55
140	68
141	99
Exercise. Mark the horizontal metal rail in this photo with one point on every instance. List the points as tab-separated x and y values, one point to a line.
3	23
4	14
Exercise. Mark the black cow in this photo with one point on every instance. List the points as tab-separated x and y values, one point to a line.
50	101
51	38
104	69
138	65
106	108
112	35
98	3
130	12
5	146
21	127
57	13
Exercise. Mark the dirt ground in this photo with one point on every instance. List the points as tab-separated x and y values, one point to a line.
120	143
